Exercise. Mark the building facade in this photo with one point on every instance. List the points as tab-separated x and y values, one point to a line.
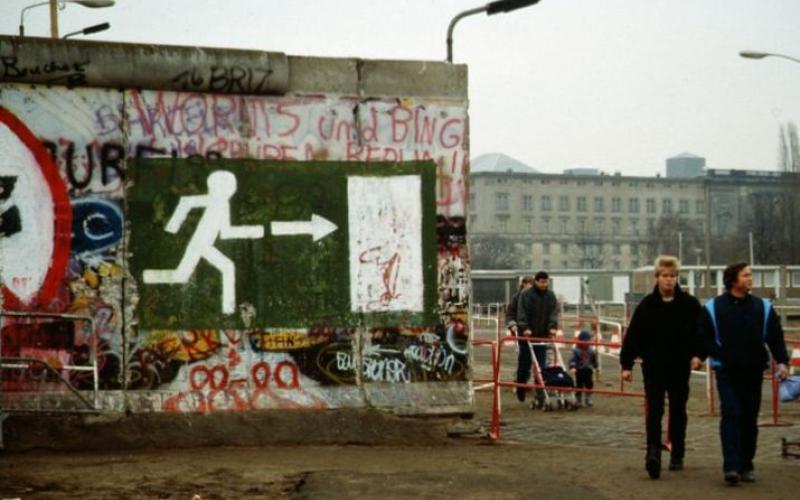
562	221
586	219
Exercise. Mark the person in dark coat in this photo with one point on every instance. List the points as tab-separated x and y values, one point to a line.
661	333
582	365
525	282
537	316
732	331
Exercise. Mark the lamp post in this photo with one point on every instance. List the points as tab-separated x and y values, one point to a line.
89	30
59	4
753	54
498	7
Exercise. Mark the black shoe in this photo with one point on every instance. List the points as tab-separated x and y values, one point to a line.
653	464
520	394
748	476
676	465
732	477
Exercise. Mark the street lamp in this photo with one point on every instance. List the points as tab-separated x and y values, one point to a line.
498	7
89	30
752	54
59	4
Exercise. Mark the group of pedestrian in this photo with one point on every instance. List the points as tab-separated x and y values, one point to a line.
672	334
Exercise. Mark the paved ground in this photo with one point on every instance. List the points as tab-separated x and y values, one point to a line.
589	453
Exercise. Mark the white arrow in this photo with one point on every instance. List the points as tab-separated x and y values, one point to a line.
318	227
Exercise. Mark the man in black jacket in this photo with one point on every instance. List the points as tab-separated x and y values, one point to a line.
732	331
661	333
537	316
511	323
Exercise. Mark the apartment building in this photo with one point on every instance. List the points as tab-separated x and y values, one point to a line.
587	219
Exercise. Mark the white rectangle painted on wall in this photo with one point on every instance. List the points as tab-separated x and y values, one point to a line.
385	226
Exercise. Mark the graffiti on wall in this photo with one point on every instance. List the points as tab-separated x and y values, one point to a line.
239	332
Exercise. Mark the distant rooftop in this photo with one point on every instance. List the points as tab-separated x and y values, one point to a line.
685	155
498	162
582	171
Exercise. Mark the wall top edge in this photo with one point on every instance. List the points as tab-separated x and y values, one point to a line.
88	63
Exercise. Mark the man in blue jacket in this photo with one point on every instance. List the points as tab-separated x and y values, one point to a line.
731	332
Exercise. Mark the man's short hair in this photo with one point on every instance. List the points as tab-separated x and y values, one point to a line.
541	275
663	262
731	274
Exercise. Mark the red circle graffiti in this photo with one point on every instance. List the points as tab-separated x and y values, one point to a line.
294	383
202	376
219	378
196	381
260	372
62	231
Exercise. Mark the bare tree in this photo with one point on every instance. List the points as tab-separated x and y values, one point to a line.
493	252
789	209
663	237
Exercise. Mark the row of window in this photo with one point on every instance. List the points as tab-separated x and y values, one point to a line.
583	264
502	204
581	224
581	182
564	248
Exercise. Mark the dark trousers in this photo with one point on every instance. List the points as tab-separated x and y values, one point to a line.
740	400
524	359
584	379
676	388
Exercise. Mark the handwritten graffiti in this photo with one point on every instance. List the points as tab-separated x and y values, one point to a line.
283	340
386	370
389	269
431	357
399	357
72	74
107	158
215	388
96	225
230	79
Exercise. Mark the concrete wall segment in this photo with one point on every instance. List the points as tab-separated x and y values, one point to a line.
365	118
84	63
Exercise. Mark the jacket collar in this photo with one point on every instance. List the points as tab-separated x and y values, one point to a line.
678	292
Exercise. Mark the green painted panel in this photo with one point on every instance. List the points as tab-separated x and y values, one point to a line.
289	280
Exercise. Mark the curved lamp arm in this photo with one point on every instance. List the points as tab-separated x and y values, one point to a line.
752	54
491	8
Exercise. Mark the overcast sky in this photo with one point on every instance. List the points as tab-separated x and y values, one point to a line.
619	85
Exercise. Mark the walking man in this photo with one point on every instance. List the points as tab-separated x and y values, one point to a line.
732	331
537	316
661	333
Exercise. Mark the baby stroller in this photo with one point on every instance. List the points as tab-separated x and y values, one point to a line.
553	375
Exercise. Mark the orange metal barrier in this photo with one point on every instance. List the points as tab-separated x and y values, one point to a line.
494	431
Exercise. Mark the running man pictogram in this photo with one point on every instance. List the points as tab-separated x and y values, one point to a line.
215	222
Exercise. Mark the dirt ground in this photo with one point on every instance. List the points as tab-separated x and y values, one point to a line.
590	453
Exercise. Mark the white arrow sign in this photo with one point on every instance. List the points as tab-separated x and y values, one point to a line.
318	227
